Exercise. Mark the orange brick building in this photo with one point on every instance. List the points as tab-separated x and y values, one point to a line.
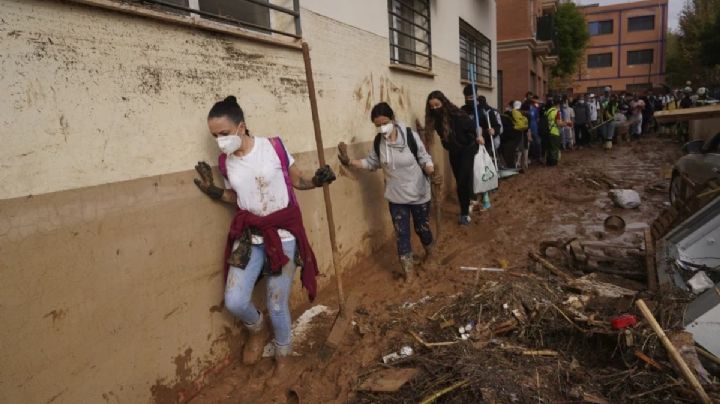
627	47
524	37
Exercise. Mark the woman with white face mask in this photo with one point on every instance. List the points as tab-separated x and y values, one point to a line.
267	234
408	170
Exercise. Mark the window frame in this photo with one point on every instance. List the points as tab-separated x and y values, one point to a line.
637	51
600	22
400	54
481	52
192	7
636	18
589	66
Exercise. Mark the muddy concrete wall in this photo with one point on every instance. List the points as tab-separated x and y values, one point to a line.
110	259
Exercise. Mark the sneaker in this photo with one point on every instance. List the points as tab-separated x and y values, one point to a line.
464	220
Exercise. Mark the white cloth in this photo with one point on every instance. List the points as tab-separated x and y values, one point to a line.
257	179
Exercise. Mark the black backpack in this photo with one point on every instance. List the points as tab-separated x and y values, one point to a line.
543	122
409	140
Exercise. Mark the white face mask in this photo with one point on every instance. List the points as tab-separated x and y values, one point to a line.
386	129
230	143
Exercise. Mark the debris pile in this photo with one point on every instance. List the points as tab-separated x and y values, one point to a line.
545	337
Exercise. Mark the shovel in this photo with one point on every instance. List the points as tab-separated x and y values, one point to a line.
346	308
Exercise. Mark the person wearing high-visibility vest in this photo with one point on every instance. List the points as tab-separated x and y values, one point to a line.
555	122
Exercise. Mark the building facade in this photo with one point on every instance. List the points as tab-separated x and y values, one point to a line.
525	33
110	258
627	47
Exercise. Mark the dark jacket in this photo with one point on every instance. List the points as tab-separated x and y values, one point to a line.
461	138
582	113
485	112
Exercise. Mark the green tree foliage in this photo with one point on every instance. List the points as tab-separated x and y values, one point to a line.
571	38
693	53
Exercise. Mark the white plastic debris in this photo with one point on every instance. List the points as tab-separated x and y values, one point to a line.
465	336
625	198
505	306
394	356
468	327
461	330
700	282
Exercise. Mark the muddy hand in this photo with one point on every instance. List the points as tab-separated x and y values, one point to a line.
323	175
205	183
342	154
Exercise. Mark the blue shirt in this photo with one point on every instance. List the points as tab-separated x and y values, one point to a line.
533	120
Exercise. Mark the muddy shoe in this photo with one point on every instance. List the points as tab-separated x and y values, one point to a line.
281	372
408	265
253	349
429	253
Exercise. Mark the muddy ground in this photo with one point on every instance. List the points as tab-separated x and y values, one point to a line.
543	204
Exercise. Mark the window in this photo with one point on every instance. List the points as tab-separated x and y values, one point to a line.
642	23
638	88
640	57
475	51
597	90
599	60
410	33
259	15
600	27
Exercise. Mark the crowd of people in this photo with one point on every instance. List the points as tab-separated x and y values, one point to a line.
267	236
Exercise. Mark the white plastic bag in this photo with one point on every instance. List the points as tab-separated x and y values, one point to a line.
484	173
625	198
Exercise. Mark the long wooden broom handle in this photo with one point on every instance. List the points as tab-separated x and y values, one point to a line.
326	188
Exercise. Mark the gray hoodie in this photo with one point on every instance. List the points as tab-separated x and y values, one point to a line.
405	181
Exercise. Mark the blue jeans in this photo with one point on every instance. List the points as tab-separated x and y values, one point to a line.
400	214
239	288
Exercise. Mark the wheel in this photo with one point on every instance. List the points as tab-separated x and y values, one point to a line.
676	188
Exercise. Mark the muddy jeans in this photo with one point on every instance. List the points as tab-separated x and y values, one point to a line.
400	214
240	285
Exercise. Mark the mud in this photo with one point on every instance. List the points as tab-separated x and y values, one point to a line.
542	204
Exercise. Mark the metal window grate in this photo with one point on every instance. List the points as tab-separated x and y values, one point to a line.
250	14
475	50
409	22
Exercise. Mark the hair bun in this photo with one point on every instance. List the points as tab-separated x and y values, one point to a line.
230	99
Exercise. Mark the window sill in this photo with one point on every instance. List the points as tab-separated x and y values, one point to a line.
412	70
485	86
192	21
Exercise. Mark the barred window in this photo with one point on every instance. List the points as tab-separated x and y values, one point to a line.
640	57
410	33
599	60
642	23
258	15
475	51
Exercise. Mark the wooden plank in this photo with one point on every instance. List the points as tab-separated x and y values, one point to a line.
388	380
674	355
650	261
686	114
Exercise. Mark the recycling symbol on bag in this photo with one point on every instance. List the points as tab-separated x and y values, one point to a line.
488	174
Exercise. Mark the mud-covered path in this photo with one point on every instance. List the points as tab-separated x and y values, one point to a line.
543	204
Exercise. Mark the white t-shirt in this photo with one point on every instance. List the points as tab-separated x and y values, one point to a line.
259	183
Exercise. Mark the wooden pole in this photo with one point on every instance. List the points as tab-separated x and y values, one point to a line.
679	362
326	188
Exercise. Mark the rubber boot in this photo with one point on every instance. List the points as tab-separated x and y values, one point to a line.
258	337
281	371
429	252
406	261
429	262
